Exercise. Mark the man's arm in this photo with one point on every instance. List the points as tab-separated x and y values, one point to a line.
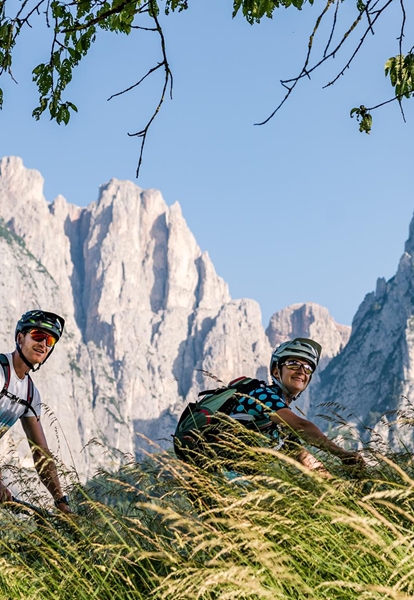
43	460
312	435
5	493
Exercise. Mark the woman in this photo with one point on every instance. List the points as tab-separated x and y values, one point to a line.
267	407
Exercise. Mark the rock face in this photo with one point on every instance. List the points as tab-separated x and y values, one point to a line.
146	314
375	371
309	320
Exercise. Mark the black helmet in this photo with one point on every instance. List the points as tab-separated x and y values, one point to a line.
40	319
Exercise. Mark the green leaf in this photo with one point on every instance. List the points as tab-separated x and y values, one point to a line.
366	124
236	7
364	118
65	115
400	70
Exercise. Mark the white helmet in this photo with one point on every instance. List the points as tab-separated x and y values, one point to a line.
298	348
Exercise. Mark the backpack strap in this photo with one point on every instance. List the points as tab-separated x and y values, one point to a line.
30	396
241	382
222	400
4	362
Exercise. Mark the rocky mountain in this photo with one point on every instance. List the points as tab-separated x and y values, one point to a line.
146	315
309	320
374	374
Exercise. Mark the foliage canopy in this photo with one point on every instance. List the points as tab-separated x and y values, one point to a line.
73	25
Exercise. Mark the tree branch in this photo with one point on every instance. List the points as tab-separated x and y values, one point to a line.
357	49
372	16
113	11
395	98
131	87
304	68
338	2
168	79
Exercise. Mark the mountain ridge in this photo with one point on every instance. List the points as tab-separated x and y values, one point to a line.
146	314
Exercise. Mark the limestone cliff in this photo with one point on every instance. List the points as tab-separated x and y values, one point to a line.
146	314
375	372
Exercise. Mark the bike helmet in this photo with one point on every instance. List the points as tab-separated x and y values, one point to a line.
39	319
298	348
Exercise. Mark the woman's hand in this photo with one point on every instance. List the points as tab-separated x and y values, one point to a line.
65	508
352	459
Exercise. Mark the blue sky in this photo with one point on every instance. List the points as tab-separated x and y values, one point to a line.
305	208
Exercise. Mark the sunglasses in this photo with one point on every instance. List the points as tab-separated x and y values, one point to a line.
38	336
295	365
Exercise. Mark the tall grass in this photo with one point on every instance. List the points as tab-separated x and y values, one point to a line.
264	528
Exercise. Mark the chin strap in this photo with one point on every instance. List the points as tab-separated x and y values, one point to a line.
26	362
284	389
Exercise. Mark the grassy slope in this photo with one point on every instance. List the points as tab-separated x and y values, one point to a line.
165	530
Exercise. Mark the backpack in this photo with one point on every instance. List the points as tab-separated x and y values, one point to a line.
4	362
200	420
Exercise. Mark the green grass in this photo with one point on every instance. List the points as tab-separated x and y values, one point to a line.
167	530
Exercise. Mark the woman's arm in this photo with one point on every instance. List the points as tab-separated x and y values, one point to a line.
312	435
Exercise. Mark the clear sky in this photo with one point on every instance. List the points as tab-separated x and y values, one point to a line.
305	208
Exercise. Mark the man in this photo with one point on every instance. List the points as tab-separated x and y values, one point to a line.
267	408
36	334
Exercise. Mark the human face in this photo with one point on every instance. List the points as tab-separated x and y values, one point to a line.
295	381
35	351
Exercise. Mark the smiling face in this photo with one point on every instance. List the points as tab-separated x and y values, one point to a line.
295	381
35	351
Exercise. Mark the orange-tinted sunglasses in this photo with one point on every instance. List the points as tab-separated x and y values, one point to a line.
38	335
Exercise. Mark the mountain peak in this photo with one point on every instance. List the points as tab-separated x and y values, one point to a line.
308	319
409	244
146	314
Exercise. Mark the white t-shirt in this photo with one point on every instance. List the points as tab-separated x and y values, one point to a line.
11	410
